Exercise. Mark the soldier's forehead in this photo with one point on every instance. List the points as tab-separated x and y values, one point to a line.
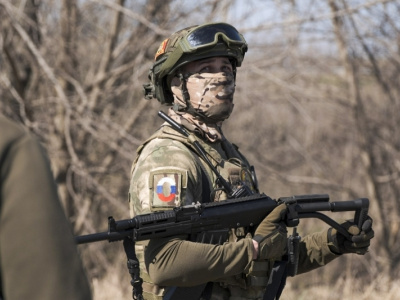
208	60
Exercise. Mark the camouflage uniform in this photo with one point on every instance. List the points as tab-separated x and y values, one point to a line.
167	173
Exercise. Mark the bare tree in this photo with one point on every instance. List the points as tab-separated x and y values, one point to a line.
378	152
321	75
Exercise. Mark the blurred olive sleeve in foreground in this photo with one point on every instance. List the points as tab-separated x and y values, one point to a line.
38	256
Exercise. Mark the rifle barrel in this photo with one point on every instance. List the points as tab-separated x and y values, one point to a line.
102	236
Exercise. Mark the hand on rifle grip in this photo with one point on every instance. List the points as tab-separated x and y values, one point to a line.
271	235
359	239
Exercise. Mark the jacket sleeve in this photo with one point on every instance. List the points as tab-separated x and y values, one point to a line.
184	263
314	252
161	157
38	256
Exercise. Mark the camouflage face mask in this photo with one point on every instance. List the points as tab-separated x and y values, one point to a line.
210	95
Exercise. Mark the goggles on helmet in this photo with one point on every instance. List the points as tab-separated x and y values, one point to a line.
214	39
190	44
208	35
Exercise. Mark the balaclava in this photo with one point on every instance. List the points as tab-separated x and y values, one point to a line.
202	101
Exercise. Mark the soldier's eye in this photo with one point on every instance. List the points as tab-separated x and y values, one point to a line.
227	69
205	70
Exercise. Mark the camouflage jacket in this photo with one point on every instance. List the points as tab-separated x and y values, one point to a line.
167	173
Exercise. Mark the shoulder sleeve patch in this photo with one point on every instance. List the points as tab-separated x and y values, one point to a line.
166	187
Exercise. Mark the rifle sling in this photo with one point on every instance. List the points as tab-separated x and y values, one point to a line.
193	292
277	281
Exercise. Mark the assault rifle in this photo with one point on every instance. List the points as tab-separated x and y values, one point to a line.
205	222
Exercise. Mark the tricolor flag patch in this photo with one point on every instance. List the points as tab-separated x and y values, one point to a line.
166	186
166	189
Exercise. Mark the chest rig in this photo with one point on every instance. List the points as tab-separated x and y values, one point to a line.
228	172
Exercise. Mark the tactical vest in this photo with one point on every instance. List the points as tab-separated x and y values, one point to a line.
232	166
229	162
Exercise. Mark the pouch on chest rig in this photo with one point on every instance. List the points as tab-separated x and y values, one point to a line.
241	177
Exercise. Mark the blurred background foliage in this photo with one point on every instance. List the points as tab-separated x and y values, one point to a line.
316	111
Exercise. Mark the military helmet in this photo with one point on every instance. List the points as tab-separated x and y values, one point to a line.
190	44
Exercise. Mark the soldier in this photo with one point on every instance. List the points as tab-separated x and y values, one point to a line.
195	73
38	256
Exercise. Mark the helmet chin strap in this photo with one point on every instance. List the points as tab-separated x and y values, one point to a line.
234	67
185	92
186	97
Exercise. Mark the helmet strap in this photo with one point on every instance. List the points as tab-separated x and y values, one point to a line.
185	92
186	97
234	67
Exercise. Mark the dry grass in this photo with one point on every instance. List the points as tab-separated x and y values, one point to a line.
382	288
114	287
111	288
